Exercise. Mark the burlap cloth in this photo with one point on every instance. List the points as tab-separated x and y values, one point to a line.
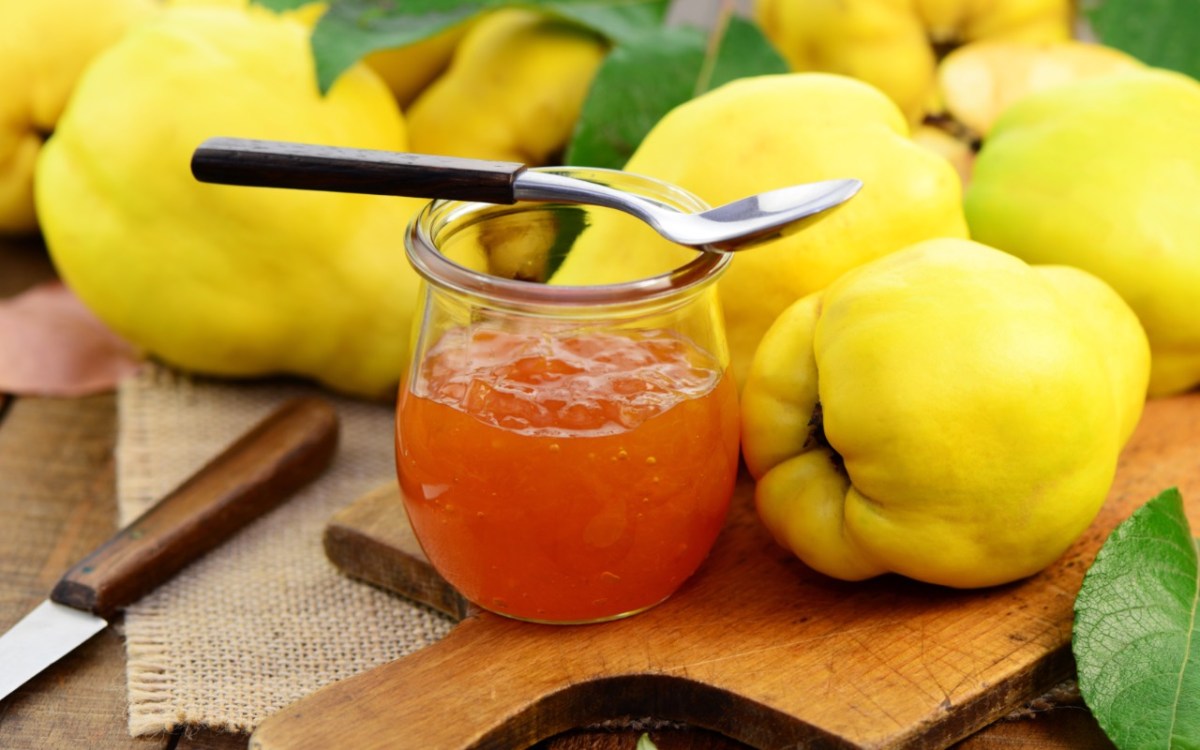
264	619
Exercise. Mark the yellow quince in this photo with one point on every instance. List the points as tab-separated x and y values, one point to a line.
978	82
946	412
217	279
757	134
410	69
1103	174
308	13
513	90
896	45
44	47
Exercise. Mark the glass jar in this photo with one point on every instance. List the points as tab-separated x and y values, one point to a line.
567	454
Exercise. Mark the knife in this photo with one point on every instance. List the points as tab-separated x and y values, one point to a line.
277	457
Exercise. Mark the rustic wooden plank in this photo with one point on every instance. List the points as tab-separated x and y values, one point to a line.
364	541
1058	728
23	263
57	498
58	501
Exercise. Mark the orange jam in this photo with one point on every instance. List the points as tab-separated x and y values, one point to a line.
567	479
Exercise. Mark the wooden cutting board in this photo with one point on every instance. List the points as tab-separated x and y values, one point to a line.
755	646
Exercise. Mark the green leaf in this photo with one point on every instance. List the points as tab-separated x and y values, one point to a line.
351	29
648	75
637	84
1135	638
744	52
1163	33
618	21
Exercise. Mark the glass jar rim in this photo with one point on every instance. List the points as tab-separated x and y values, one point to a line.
431	264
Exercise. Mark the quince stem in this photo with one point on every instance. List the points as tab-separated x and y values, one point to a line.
817	439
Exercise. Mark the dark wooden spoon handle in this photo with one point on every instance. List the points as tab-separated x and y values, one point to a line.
257	163
290	448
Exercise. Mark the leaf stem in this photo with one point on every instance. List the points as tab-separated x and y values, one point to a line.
715	37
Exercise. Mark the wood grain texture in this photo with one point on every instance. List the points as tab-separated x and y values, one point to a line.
1059	728
755	647
58	502
364	540
240	161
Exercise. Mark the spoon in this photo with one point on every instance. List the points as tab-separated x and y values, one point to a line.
746	222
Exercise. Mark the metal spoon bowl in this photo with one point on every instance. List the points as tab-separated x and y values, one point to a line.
743	223
733	226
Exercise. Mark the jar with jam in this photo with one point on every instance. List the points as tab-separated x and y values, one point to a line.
566	454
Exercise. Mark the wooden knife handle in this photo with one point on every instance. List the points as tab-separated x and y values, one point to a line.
290	448
257	163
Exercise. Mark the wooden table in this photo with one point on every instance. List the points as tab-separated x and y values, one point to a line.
58	502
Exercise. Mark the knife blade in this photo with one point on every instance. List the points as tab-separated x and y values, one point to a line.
265	466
